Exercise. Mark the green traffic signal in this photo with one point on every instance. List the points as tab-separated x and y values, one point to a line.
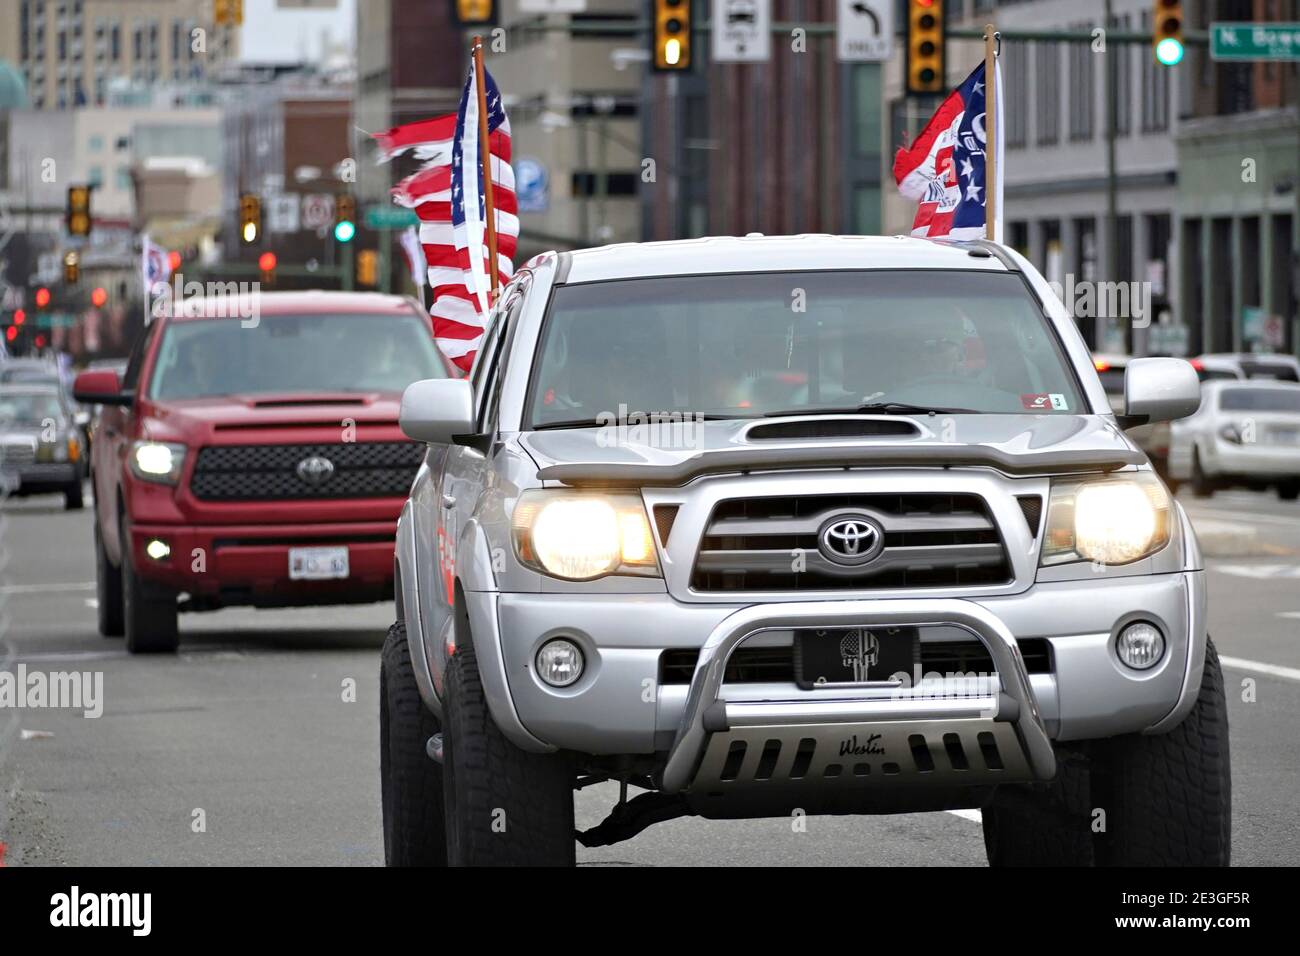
344	231
1169	51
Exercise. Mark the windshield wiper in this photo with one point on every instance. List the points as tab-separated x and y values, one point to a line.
886	408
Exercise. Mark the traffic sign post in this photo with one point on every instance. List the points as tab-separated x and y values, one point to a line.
1255	41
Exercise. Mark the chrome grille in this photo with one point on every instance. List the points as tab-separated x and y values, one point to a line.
771	544
268	472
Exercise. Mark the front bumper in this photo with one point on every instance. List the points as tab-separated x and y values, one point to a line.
36	478
618	706
222	565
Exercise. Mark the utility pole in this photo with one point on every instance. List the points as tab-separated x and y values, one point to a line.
1111	229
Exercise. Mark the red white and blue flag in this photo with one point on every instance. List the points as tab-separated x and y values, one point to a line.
944	168
447	196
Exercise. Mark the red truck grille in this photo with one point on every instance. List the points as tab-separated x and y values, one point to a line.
268	472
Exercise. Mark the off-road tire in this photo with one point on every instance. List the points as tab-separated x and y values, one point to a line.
148	611
505	806
1042	825
108	590
74	498
410	780
1168	797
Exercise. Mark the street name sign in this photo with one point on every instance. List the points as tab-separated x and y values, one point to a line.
1255	41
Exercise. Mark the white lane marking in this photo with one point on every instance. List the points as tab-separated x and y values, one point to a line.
1259	571
1248	517
72	656
46	588
974	816
1272	670
1295	614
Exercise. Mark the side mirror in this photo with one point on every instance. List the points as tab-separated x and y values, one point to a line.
101	387
437	410
1159	390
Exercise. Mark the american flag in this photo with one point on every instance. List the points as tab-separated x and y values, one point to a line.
447	195
944	167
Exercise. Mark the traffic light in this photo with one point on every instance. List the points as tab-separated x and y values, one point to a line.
78	212
228	13
345	217
99	297
368	268
670	36
474	13
250	217
42	297
1167	32
925	46
71	267
266	263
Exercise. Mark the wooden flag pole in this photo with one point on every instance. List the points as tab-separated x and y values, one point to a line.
991	120
485	152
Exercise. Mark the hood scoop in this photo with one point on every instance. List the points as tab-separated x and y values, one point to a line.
823	428
306	402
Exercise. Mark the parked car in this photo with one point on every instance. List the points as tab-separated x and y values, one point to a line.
1212	367
927	572
1151	438
41	449
1283	368
43	371
1245	434
257	462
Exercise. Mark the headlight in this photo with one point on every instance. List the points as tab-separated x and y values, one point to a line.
157	461
582	536
1109	520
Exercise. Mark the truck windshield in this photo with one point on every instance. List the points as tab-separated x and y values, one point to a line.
293	353
799	343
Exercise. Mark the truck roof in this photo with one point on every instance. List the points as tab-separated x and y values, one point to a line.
311	302
756	253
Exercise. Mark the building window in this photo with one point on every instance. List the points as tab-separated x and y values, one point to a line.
115	43
1123	53
1015	92
1047	67
95	177
1083	92
124	177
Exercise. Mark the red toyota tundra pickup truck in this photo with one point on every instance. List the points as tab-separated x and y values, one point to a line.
250	455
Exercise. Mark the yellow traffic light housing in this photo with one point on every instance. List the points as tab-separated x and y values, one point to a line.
474	13
228	13
71	267
670	36
78	211
250	218
1167	32
926	42
368	268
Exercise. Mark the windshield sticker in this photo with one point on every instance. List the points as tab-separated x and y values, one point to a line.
1044	402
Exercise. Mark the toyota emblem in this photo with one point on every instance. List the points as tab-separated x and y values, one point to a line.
315	470
851	540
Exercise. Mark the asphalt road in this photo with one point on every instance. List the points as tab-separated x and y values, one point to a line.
250	730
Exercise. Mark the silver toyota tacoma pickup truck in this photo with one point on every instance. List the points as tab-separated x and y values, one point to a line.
803	525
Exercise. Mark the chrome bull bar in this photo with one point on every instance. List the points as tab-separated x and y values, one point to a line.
706	712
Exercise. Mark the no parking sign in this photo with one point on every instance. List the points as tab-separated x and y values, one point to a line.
532	187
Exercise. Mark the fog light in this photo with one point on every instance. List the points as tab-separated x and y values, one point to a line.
1140	646
157	549
559	662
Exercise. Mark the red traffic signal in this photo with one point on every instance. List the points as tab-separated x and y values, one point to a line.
20	316
174	260
11	333
266	262
98	297
42	297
